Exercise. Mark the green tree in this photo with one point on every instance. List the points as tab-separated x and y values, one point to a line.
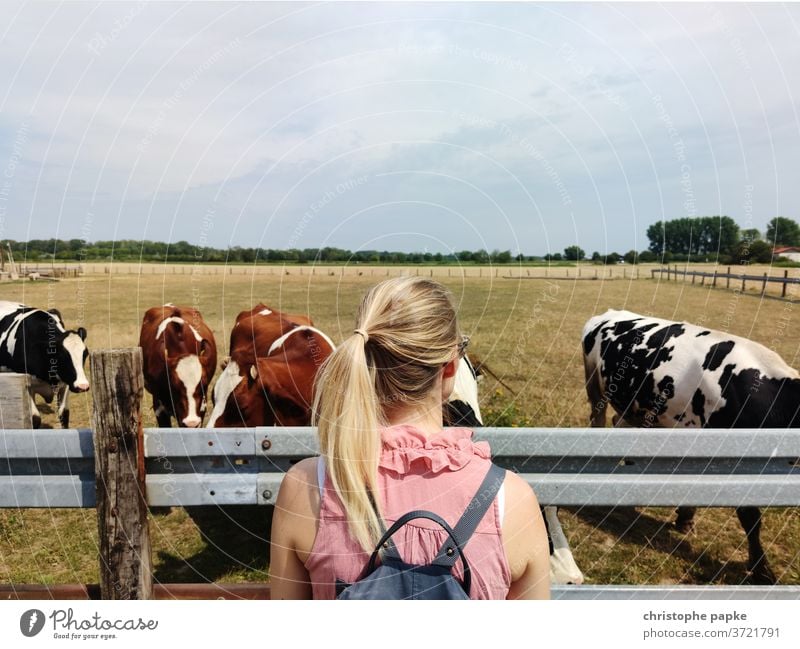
631	257
574	253
647	257
596	256
753	252
704	236
612	258
751	234
783	232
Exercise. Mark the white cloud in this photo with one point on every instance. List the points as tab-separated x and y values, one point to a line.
161	105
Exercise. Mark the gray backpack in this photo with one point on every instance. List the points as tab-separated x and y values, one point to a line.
396	579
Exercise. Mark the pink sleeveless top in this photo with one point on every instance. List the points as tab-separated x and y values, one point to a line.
440	474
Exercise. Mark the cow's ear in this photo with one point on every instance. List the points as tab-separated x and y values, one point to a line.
82	333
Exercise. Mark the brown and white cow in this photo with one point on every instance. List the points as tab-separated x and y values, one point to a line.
255	330
269	378
179	357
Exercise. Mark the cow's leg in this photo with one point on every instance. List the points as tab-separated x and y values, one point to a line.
62	398
760	572
685	521
163	417
563	569
598	401
36	417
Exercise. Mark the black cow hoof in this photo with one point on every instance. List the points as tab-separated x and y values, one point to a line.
685	525
761	575
64	419
36	421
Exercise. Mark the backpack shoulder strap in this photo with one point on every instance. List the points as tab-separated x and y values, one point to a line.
475	511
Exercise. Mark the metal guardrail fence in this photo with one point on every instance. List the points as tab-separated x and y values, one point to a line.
566	466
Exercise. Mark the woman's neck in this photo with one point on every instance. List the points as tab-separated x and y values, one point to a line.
426	416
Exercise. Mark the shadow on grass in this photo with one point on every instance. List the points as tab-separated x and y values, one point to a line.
628	525
235	540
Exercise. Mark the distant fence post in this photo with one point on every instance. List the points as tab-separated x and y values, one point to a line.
785	277
764	285
714	281
125	557
728	278
15	402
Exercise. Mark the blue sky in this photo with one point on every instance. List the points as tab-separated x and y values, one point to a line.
399	126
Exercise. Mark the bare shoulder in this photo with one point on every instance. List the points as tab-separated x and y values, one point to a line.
297	509
519	495
525	541
300	483
305	471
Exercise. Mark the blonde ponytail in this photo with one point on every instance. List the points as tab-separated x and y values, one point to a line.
405	331
347	419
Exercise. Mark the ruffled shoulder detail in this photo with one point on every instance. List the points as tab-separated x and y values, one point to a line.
403	446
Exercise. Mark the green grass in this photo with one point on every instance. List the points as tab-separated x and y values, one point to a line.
526	331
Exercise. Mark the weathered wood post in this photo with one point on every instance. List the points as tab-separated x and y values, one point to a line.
125	557
728	278
15	402
714	281
785	277
764	285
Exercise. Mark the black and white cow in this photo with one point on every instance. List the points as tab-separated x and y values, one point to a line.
463	409
35	342
659	373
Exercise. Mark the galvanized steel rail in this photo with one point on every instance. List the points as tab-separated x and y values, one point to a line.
566	466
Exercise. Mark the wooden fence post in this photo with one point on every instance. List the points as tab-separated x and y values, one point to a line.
714	282
764	284
728	278
126	570
785	277
15	403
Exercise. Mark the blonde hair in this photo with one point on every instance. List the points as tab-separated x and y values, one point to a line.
406	330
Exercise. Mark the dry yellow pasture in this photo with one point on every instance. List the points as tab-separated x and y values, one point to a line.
526	330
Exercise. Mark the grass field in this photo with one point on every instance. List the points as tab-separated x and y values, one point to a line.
526	330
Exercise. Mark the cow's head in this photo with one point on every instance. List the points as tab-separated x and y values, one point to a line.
286	390
268	392
66	354
462	407
190	367
236	402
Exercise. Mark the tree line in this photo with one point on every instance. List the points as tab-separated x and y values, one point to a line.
705	238
37	250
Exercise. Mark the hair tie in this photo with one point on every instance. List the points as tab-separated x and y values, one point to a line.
362	333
